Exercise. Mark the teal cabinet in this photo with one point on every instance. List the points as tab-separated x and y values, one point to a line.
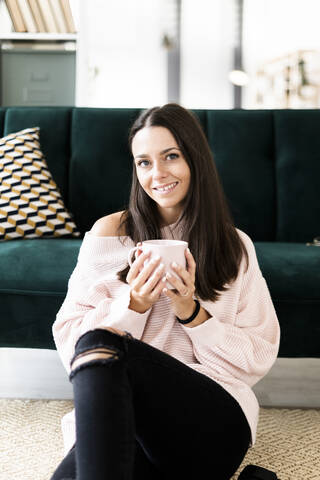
37	77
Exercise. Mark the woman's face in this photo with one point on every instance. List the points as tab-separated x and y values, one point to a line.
162	171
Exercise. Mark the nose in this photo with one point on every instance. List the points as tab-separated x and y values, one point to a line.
159	170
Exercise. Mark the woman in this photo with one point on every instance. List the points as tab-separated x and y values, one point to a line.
162	377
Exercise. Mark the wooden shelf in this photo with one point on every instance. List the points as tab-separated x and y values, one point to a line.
63	37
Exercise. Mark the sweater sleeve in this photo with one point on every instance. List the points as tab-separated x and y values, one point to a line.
89	303
247	347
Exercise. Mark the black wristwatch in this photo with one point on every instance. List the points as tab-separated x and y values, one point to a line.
193	316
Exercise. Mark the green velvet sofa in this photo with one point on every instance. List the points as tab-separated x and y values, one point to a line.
269	163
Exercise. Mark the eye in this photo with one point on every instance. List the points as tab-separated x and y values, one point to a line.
140	162
175	155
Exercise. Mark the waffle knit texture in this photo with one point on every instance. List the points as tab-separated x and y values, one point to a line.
235	347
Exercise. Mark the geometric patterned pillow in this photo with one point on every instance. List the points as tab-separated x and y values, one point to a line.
30	201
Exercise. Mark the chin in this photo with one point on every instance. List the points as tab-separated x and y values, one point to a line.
168	204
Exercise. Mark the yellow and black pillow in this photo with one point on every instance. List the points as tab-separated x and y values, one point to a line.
30	202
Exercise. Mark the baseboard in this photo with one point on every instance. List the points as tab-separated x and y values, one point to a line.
33	373
292	383
39	374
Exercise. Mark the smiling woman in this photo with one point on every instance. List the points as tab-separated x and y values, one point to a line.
191	353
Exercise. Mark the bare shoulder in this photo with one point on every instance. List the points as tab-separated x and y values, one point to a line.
108	226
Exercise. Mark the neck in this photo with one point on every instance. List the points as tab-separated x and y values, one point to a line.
168	218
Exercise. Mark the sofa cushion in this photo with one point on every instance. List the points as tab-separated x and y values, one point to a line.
30	202
242	145
2	117
297	263
101	164
33	284
292	273
55	124
297	144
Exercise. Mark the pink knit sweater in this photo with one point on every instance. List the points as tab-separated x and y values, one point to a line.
235	347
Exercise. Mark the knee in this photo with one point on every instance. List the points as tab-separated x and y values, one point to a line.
116	330
98	337
98	347
99	355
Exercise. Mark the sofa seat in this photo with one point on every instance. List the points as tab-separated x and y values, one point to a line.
297	263
297	299
29	297
38	296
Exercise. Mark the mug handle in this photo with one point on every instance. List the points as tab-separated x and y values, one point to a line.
130	255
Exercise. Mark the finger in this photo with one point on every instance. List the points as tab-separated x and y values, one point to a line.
139	249
185	276
169	293
153	280
139	252
145	255
175	282
146	272
158	289
135	267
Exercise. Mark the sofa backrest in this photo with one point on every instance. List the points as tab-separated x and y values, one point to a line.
55	136
268	162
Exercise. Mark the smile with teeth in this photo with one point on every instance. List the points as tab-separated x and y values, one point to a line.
168	188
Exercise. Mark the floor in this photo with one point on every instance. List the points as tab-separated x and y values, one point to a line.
39	374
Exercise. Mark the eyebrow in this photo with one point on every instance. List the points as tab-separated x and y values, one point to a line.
161	153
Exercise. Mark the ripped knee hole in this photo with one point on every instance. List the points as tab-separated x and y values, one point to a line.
94	354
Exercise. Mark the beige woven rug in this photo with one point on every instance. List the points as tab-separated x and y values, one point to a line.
288	440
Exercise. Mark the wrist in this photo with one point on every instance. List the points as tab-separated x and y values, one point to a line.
137	306
189	311
202	317
192	317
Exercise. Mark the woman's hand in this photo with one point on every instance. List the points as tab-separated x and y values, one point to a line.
182	301
146	282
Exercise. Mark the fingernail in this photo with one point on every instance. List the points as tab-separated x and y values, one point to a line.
164	279
188	250
156	258
174	264
168	275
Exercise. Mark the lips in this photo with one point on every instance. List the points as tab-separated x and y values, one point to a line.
166	188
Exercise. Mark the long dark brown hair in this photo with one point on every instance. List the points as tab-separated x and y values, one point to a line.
207	223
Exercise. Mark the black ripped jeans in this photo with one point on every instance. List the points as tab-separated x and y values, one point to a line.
141	414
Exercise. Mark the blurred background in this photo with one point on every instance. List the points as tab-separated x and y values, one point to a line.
215	54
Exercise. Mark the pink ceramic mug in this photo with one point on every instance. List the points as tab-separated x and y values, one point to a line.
169	251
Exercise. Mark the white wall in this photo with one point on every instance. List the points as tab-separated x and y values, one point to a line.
207	42
121	62
273	28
